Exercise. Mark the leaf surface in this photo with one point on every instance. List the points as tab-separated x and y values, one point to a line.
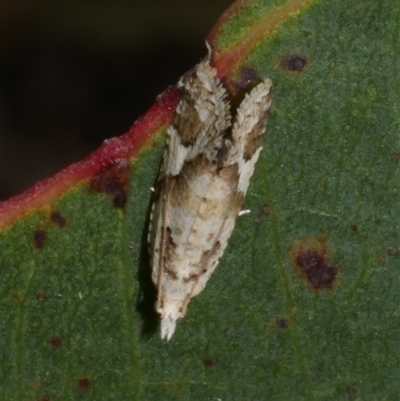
304	303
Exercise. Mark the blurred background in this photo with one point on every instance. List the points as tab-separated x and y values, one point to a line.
76	72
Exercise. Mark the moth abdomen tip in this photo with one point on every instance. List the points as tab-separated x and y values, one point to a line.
168	325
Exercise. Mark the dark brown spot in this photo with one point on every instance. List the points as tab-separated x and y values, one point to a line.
248	78
39	236
322	275
112	181
265	208
186	119
170	273
397	155
56	342
392	251
206	254
58	219
40	297
222	154
17	297
310	258
293	62
282	323
191	277
168	237
354	228
208	362
119	200
84	382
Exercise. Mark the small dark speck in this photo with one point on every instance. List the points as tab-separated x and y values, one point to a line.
119	200
392	251
208	362
58	219
247	77
112	180
397	155
40	297
265	208
293	62
56	342
354	228
84	382
282	323
39	237
17	297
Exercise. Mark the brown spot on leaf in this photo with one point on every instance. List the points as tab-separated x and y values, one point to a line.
56	342
112	181
282	323
40	297
392	251
397	155
208	362
248	78
310	258
322	276
58	219
354	228
265	208
84	382
17	297
293	62
39	236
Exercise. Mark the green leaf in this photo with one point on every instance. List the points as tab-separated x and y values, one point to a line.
304	303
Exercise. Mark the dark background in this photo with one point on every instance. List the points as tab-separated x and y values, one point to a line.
75	72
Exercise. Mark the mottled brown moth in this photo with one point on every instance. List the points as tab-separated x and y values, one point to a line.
208	162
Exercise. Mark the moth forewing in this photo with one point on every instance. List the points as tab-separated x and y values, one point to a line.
202	183
248	129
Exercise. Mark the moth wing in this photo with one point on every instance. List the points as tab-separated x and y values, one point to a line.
248	129
201	118
202	183
242	154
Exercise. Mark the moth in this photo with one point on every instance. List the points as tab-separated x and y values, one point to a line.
208	162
